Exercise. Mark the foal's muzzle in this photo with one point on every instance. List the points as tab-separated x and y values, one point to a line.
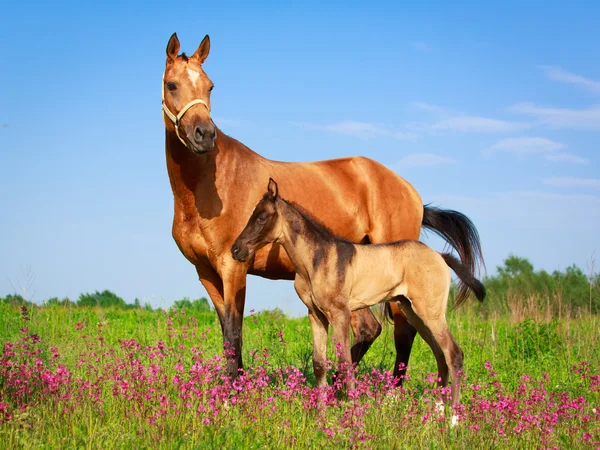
239	254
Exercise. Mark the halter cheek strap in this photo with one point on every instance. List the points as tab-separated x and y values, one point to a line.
176	119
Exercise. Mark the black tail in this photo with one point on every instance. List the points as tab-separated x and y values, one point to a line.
467	280
458	230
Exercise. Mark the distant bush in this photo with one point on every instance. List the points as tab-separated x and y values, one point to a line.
14	299
54	301
516	289
517	284
197	305
104	299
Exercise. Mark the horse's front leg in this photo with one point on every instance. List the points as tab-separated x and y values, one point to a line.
230	313
234	298
366	328
227	291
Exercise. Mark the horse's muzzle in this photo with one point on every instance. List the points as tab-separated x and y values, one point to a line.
203	138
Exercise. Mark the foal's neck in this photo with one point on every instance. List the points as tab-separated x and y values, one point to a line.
301	238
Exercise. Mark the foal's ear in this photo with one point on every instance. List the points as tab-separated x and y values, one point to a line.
202	51
273	191
172	48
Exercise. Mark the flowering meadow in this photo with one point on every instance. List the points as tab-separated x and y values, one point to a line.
111	378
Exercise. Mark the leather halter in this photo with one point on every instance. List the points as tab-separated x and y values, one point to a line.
176	119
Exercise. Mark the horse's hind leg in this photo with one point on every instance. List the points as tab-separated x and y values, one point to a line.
404	336
366	329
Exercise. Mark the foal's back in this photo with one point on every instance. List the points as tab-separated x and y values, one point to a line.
384	271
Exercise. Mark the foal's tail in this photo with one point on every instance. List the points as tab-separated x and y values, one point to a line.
458	230
467	280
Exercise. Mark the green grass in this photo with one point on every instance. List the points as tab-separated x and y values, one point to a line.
263	415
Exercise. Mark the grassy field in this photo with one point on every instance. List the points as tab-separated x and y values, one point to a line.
74	377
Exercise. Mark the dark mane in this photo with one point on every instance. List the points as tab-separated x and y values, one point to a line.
184	57
323	231
323	240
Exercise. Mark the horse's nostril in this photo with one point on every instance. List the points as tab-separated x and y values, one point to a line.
199	134
235	249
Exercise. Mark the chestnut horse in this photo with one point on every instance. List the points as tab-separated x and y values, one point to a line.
335	277
216	180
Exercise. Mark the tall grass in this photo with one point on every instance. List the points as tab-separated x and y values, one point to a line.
73	377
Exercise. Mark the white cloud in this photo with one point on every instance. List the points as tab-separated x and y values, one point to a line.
567	157
420	45
572	182
463	123
559	74
360	130
580	119
429	107
422	160
474	124
525	146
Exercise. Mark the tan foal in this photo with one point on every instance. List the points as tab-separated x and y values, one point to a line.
335	277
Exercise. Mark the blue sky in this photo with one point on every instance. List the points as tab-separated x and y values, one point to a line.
493	111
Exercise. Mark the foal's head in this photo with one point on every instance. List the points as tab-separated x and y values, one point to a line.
186	97
263	227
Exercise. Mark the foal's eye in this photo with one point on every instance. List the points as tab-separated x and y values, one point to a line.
262	220
171	86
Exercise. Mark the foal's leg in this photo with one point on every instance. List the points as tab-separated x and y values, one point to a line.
391	229
339	318
319	326
434	329
405	305
454	357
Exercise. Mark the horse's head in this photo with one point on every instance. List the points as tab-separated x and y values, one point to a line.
263	227
186	97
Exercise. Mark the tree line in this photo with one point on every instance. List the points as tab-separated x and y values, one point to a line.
516	282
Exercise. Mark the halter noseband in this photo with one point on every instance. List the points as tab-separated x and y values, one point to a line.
176	119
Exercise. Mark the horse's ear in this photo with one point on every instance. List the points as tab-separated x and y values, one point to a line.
172	48
202	51
273	191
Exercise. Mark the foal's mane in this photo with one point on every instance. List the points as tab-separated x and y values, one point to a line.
323	231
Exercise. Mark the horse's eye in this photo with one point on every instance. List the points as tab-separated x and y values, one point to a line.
262	220
211	88
171	86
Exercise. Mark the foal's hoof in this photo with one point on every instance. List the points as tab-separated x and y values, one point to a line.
454	421
439	407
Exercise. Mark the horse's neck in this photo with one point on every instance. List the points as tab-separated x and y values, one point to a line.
194	175
299	239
